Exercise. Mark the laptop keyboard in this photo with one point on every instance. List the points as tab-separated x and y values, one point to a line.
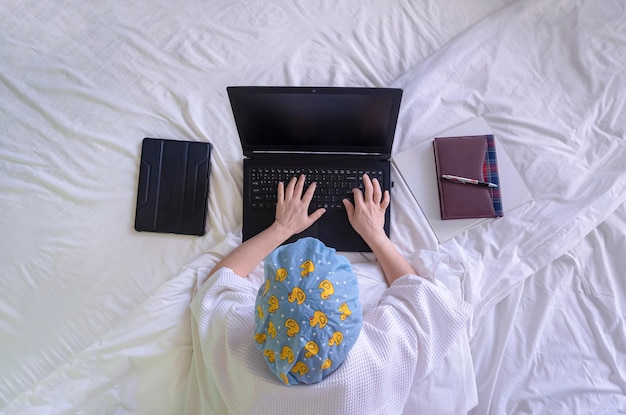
333	185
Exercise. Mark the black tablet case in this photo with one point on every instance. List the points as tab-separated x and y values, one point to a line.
172	195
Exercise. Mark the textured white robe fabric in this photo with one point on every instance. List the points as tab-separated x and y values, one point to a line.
404	337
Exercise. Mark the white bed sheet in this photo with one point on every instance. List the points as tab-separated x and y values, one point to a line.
94	317
546	78
556	344
84	82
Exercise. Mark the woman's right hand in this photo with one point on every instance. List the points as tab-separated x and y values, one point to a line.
367	214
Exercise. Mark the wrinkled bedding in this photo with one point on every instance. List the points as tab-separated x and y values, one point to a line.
94	317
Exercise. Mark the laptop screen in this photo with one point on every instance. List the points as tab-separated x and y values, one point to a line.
309	119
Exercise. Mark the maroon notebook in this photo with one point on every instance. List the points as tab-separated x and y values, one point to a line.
472	157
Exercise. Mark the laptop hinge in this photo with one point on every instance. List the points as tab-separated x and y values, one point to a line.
329	154
347	153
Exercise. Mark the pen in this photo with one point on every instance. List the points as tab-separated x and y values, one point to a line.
465	180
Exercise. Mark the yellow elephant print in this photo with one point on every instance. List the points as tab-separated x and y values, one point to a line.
284	378
327	289
266	288
307	268
297	295
293	327
281	274
259	311
311	349
273	303
345	311
336	339
287	354
327	364
319	318
300	368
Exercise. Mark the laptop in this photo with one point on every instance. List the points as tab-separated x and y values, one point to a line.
331	134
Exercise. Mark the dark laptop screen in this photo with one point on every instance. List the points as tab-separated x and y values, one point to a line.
361	120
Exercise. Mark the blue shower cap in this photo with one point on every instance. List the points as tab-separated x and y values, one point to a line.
308	314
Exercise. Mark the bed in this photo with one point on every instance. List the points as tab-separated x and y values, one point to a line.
94	317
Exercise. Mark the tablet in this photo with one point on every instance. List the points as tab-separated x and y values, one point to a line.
173	190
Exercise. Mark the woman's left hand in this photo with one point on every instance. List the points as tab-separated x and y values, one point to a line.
292	206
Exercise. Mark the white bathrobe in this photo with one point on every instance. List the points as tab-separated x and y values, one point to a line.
404	337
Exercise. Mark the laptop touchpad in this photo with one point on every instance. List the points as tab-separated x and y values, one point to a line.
311	231
335	231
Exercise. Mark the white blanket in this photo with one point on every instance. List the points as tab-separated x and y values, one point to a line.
94	316
543	75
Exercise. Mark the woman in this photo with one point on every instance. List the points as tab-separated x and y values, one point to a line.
402	338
